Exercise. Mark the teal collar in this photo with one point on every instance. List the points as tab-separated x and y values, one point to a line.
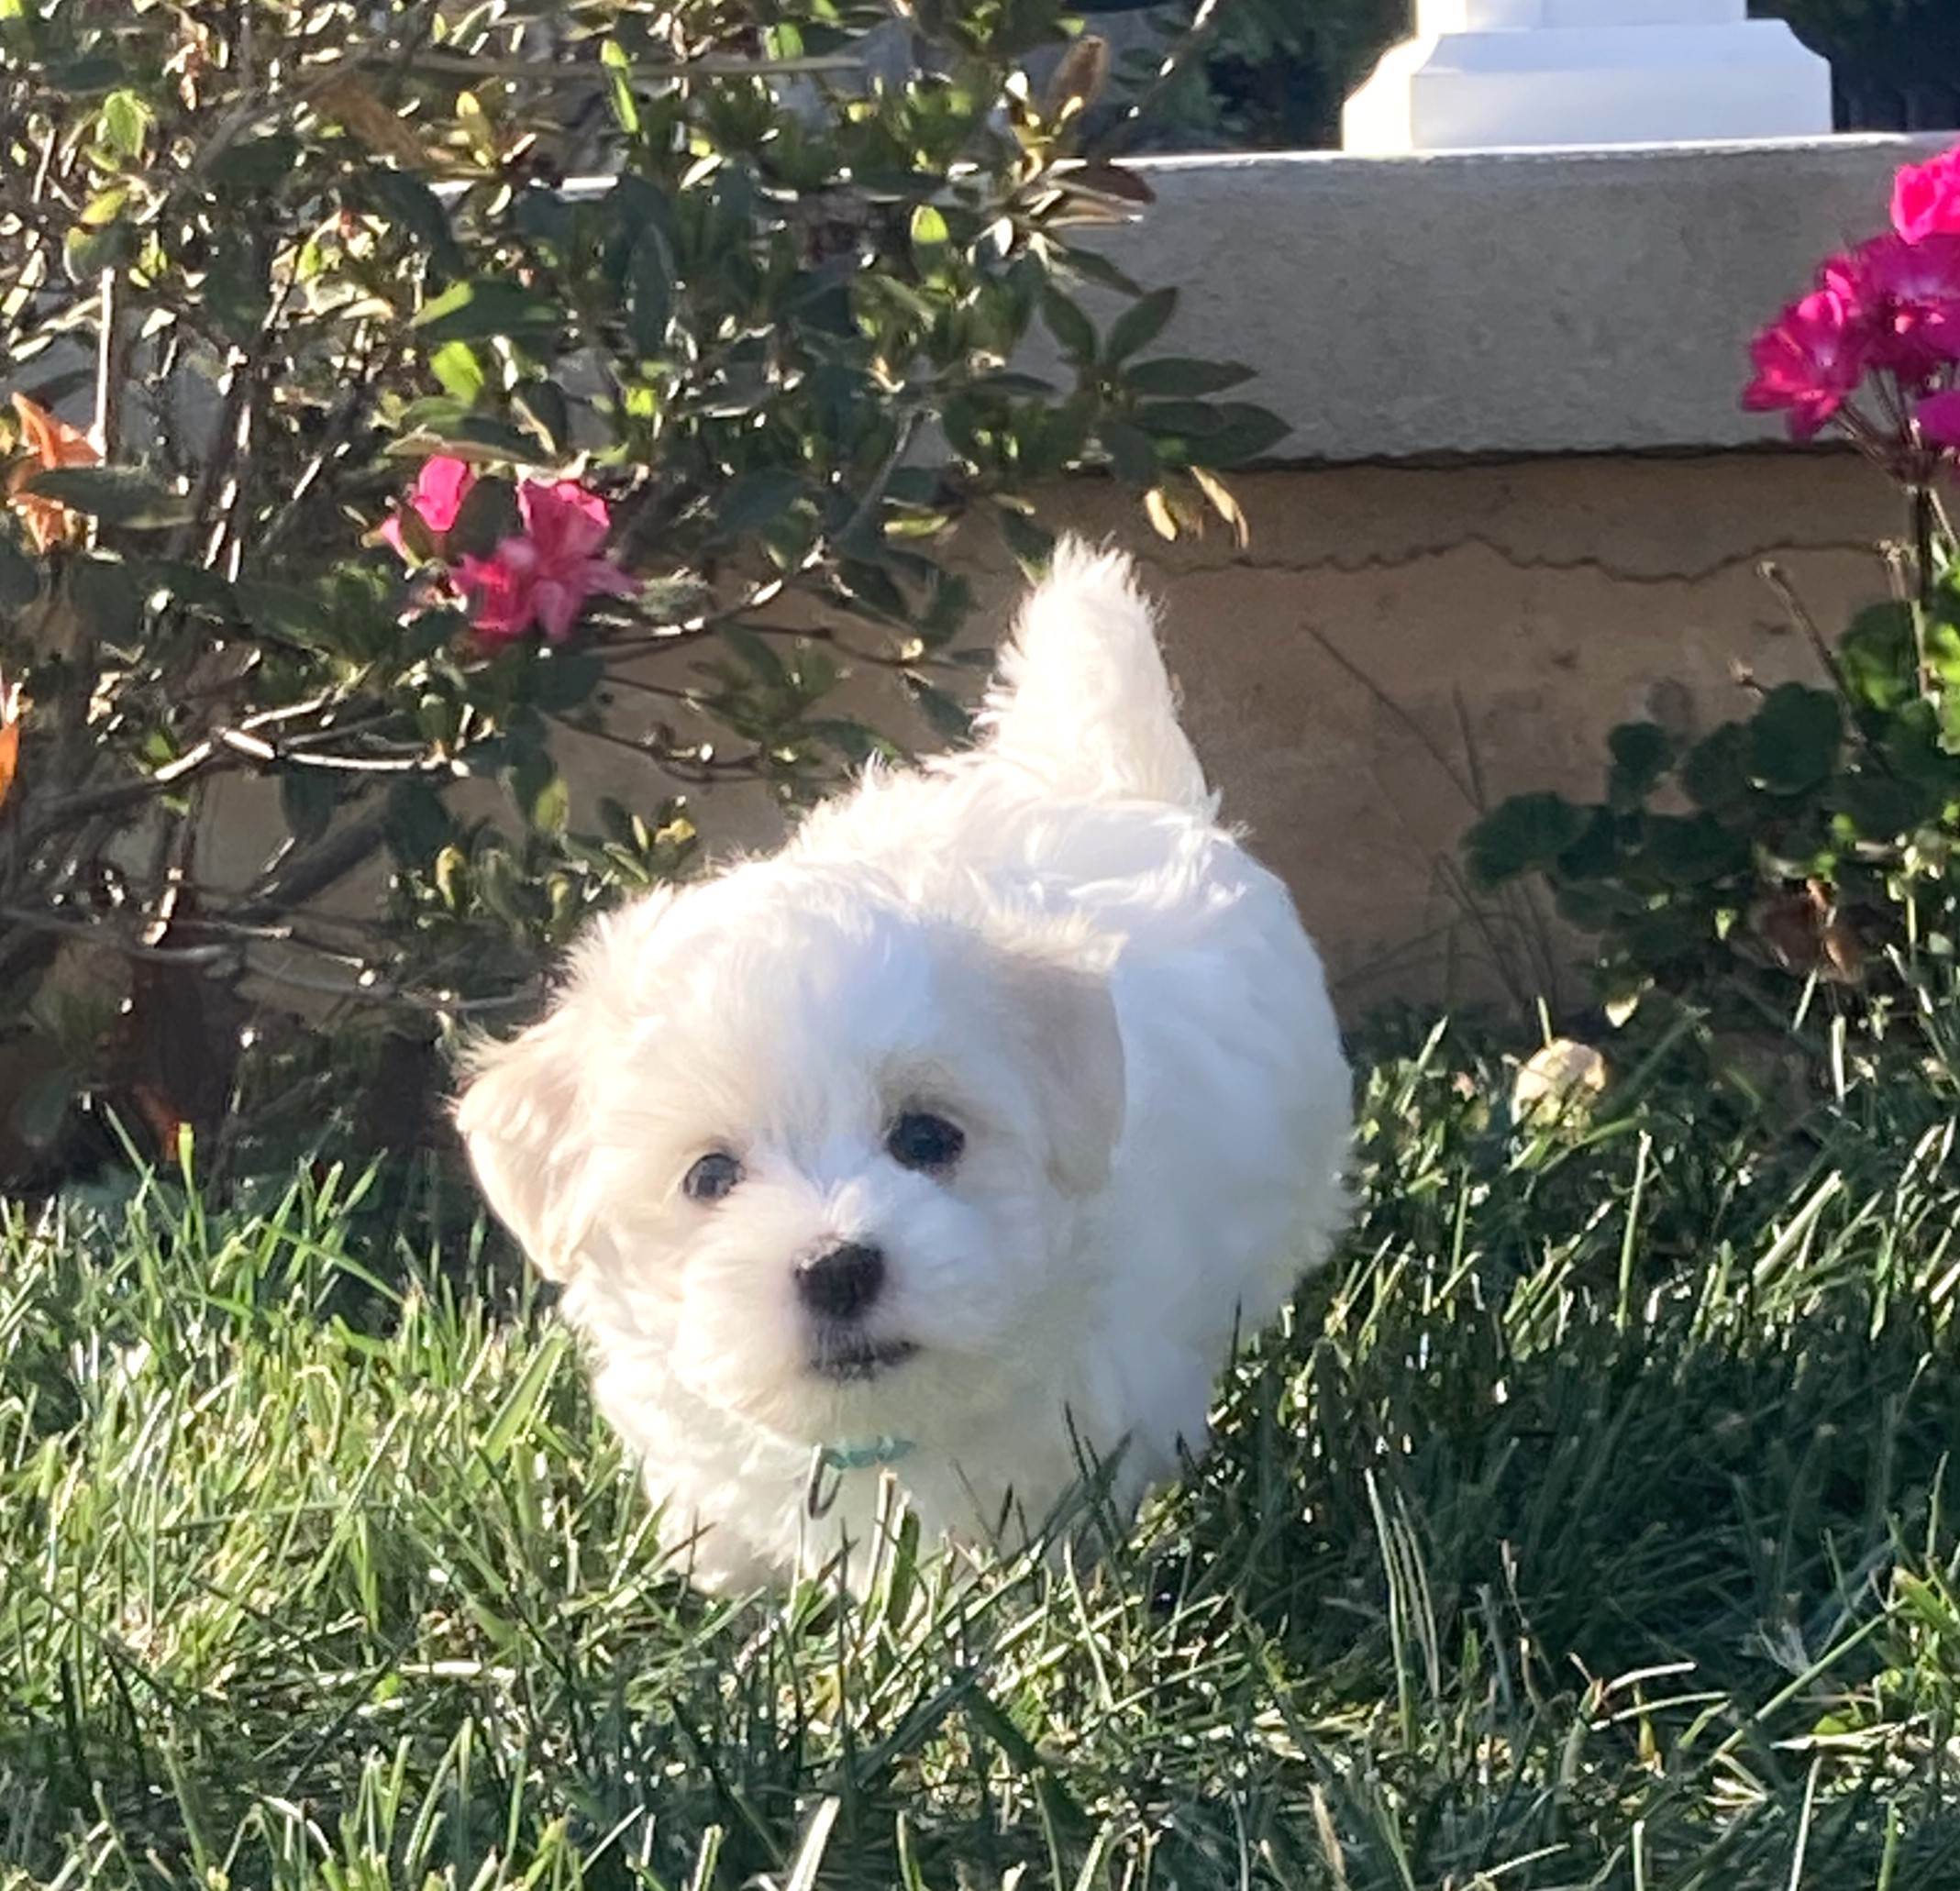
864	1453
861	1454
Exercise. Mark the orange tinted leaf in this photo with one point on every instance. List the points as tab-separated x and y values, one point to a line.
52	441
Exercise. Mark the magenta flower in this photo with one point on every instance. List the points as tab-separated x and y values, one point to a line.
1809	361
545	575
441	487
1908	297
1926	198
1939	419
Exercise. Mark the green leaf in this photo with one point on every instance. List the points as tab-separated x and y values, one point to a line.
1596	854
1175	377
753	652
564	680
540	791
1005	386
948	720
487	516
1525	834
255	165
1595	906
416	825
1876	658
1914	751
618	66
1940	647
1664	933
1641	754
501	885
1714	774
1093	266
929	235
1073	331
88	76
306	798
544	404
1132	453
90	247
1187	420
1689	850
1879	808
114	494
289	612
457	371
758	500
649	292
1793	739
124	126
21	578
1139	325
670	601
107	598
410	206
476	311
874	588
1243	433
520	1406
855	741
236	294
194	586
439	423
1031	544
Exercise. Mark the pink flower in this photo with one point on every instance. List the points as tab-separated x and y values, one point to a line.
1939	419
440	489
545	575
1809	360
1926	198
1908	296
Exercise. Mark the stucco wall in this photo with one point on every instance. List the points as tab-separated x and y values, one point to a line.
1398	641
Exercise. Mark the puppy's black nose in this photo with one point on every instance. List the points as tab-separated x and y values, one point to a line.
841	1283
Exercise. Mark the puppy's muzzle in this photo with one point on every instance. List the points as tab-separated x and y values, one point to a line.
842	1283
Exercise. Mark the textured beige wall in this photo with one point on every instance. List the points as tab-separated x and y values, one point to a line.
1396	640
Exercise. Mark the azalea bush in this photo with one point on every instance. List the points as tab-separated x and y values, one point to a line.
361	460
1812	841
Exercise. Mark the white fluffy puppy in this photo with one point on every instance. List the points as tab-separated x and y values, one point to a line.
962	1135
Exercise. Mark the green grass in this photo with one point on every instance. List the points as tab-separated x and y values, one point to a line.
1592	1527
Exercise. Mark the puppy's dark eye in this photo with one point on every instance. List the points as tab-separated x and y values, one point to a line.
712	1177
919	1140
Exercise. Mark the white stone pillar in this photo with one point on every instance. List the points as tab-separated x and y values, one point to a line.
1484	74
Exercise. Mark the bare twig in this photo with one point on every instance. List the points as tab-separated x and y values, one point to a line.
470	65
1430	746
1777	580
100	933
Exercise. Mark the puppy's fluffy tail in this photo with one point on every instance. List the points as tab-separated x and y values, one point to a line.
1082	699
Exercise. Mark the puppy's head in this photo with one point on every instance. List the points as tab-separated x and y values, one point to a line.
814	1153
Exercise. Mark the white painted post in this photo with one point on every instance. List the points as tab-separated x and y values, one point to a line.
1484	73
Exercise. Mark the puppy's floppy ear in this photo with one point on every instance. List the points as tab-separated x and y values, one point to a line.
523	1114
1065	1020
519	1120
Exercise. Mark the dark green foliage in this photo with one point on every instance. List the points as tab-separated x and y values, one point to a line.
1811	839
305	249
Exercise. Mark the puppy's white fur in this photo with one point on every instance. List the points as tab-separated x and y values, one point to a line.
1048	940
